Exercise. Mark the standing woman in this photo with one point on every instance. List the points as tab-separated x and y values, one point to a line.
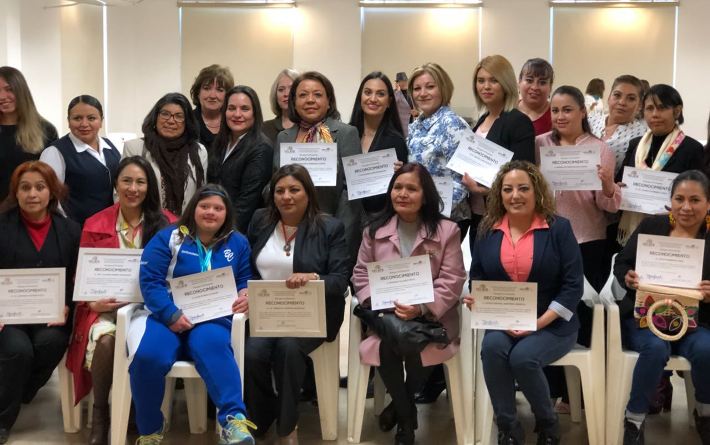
82	160
128	224
23	132
202	240
241	156
278	99
170	143
663	147
35	234
535	84
411	224
207	93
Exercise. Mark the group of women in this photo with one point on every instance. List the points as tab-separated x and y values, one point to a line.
204	189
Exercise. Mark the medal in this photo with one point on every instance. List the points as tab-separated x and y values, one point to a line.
288	239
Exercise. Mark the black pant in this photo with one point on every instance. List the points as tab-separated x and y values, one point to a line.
28	356
596	266
286	358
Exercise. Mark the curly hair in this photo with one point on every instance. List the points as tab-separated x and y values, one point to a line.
495	210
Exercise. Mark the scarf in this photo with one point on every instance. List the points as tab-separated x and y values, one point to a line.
318	132
630	220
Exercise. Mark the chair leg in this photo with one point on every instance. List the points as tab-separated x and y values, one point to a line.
454	386
483	409
572	377
196	397
590	407
690	395
380	393
120	407
167	406
358	375
71	414
327	374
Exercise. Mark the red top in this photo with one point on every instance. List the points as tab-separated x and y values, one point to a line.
543	124
517	258
37	230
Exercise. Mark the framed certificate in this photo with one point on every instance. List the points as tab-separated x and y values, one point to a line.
32	296
479	157
571	167
405	280
504	305
670	261
369	174
647	191
108	273
206	295
277	311
321	160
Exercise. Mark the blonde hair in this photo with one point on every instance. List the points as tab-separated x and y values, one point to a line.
30	131
273	100
440	76
499	67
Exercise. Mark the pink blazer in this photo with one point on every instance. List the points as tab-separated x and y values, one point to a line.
447	271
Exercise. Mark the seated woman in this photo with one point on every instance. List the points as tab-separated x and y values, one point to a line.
411	224
241	156
690	204
83	161
291	240
171	144
128	224
521	239
35	234
202	240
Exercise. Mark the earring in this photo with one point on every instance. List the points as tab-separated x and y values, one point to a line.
671	220
707	223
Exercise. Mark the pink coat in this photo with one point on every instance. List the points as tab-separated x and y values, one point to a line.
447	271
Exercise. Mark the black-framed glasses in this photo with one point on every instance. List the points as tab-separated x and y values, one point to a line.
166	115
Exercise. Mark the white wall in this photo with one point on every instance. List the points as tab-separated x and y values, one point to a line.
10	39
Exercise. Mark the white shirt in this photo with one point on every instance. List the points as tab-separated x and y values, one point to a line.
231	147
272	262
54	158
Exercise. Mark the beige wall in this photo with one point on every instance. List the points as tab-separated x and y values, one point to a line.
400	39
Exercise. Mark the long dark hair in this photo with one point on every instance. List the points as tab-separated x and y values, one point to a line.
192	127
188	216
576	94
695	176
313	216
665	96
391	117
432	204
153	217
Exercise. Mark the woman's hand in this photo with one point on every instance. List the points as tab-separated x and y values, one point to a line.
241	304
105	305
1	325
181	325
406	312
631	279
606	176
300	279
468	300
705	290
61	323
398	165
473	186
517	333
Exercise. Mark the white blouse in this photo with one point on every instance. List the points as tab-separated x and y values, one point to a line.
272	262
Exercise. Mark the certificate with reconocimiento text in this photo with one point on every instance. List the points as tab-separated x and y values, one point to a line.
504	305
647	191
478	157
369	174
277	311
108	273
206	295
571	167
321	160
32	296
405	280
670	261
445	187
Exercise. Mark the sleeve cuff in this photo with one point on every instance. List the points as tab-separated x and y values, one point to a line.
424	309
175	317
560	310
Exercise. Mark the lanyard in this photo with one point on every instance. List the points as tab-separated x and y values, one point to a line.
205	256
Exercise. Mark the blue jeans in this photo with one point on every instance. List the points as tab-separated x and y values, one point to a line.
653	356
507	359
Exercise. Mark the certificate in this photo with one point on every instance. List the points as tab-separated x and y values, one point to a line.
646	191
571	167
445	187
405	280
206	295
108	273
369	174
32	296
667	261
479	157
277	311
321	160
504	305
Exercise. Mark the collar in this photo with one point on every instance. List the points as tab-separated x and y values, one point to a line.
122	224
428	122
389	230
80	146
538	222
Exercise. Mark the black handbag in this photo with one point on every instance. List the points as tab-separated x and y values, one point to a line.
407	337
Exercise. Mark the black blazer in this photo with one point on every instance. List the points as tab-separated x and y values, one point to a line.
386	137
688	155
244	174
626	260
320	249
513	130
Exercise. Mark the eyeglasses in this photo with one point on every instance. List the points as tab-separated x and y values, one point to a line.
166	115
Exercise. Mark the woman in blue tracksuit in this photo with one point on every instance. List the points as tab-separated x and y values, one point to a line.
203	239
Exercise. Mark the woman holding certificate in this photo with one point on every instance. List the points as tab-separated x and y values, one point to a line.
521	239
128	224
411	224
291	240
35	235
202	240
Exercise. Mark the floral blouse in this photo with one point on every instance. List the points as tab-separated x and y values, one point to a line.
619	141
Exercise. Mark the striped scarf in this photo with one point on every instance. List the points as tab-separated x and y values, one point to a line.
318	132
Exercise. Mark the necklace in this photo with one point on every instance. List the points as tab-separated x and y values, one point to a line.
288	239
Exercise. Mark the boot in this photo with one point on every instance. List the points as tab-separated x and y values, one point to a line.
99	426
548	432
512	436
632	434
544	438
702	424
405	434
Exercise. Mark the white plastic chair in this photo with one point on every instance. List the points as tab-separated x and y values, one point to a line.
71	414
195	391
359	372
327	375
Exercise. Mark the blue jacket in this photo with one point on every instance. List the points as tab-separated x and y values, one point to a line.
556	268
167	255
